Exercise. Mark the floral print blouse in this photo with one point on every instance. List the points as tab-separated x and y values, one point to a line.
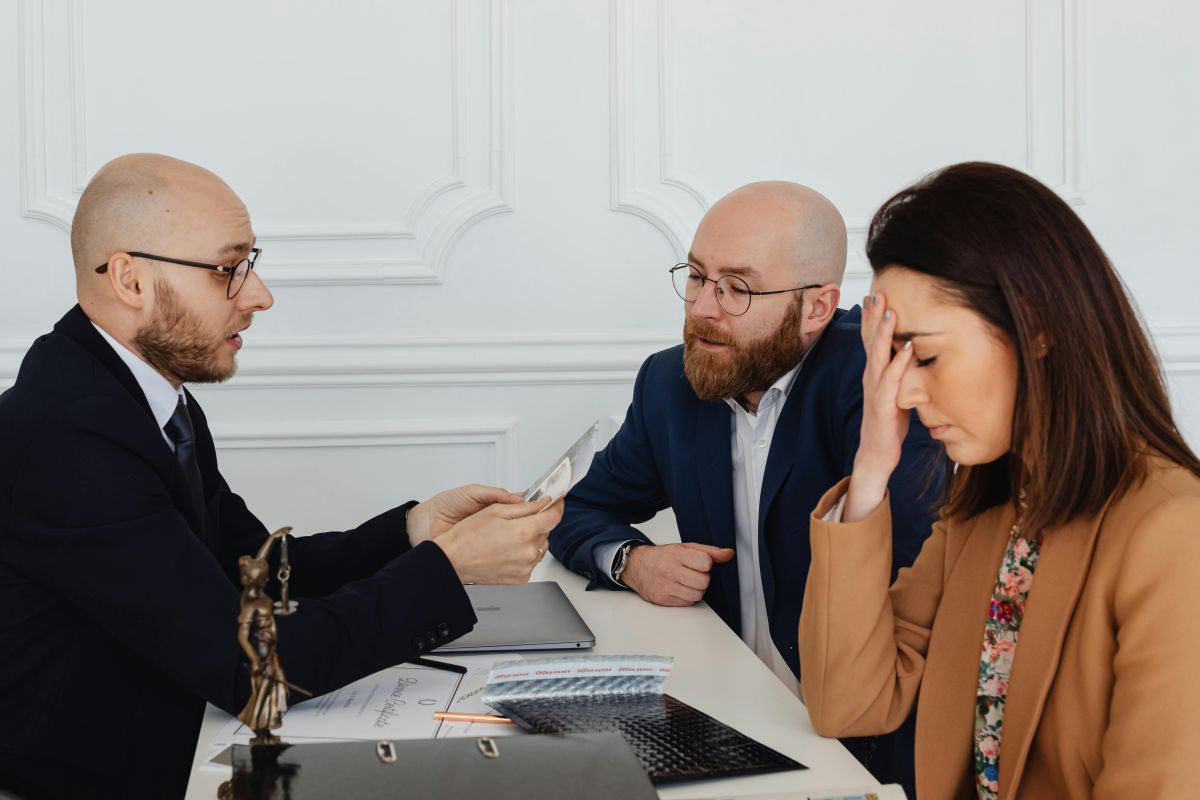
1005	611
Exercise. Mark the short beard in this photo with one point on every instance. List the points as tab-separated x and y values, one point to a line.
176	343
747	366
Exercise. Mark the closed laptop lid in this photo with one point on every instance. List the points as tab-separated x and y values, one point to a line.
531	616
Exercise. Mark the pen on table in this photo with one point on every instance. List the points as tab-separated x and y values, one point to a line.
450	716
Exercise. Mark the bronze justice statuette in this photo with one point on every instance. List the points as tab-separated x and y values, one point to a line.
259	639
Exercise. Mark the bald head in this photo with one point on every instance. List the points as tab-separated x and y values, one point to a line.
157	243
142	202
780	223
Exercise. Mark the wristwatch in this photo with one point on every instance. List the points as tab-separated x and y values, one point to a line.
622	561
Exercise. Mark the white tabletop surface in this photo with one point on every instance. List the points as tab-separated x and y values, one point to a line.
714	671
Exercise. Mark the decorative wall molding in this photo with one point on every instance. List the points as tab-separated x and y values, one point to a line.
674	199
626	195
563	359
495	433
80	173
670	172
479	183
1062	79
292	272
449	361
1179	348
38	200
494	361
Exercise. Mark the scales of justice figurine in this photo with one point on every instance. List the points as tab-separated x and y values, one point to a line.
259	639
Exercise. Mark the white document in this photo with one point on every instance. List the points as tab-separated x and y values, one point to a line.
469	700
568	470
394	703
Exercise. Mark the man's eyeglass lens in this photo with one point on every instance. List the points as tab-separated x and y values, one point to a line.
733	293
238	277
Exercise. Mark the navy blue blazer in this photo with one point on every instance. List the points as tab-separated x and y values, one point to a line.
118	613
674	450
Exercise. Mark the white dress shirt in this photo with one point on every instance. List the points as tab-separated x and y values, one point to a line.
752	435
750	445
160	394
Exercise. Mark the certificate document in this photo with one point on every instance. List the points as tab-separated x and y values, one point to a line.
394	703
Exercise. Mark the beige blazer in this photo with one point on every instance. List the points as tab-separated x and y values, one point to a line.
1104	695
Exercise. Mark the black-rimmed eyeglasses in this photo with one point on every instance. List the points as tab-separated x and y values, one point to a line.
733	293
237	271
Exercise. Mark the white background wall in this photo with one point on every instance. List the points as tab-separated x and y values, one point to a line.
467	207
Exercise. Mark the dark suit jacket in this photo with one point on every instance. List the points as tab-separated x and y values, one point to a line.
118	616
674	450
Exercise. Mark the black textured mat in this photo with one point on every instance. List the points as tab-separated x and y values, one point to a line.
674	741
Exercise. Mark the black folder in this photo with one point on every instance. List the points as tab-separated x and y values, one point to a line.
593	767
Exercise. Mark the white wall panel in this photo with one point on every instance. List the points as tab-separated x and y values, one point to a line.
467	207
327	475
708	96
407	107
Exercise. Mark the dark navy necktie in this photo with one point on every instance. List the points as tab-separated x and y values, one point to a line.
179	428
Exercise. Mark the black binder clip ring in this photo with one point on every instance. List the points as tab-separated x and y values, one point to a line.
487	746
386	752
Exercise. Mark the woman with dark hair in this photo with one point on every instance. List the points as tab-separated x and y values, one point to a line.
1045	633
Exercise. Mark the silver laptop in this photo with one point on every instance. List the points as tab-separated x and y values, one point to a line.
531	616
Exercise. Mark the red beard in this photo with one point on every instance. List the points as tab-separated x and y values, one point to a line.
745	366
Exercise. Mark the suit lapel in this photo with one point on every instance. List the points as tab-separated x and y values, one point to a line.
1062	569
784	446
714	472
785	441
946	708
76	326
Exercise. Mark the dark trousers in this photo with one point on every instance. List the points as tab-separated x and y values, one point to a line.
889	758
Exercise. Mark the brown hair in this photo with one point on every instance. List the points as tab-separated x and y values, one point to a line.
1091	400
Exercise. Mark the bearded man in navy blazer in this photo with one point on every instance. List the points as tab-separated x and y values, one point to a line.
741	430
119	539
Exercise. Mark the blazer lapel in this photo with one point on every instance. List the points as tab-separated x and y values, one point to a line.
76	326
714	472
784	446
79	328
946	708
785	441
1062	569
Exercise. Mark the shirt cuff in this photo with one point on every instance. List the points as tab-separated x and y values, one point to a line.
835	514
606	557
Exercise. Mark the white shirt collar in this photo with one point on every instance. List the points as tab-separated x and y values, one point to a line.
160	394
777	394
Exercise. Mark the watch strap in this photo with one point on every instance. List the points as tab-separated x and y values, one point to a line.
622	561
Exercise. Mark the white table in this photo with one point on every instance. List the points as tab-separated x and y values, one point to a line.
714	672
